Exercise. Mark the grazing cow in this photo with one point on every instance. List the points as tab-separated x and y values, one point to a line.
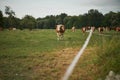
100	29
73	29
60	29
83	29
117	28
88	28
107	28
93	28
14	29
10	28
1	28
113	28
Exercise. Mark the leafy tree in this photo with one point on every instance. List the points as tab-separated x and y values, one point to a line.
28	22
111	19
67	22
73	21
94	18
11	18
6	22
70	21
48	22
1	20
60	18
40	24
17	22
118	19
76	22
51	22
84	20
80	21
9	12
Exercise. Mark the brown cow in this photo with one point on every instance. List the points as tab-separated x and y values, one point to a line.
87	29
60	29
83	29
1	28
93	28
117	28
107	28
100	29
113	28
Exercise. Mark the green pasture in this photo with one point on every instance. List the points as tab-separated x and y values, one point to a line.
38	55
100	57
23	43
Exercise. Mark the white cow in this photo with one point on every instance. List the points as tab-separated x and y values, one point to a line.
73	29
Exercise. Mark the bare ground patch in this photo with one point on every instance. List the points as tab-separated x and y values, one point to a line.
55	64
52	66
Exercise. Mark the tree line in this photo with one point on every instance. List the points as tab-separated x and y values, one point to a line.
92	18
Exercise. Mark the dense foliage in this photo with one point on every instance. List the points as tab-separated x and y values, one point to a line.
1	20
92	18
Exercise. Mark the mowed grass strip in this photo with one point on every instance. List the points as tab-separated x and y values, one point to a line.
37	54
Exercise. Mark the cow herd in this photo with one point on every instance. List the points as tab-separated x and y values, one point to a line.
60	29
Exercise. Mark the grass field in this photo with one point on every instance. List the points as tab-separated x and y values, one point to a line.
38	55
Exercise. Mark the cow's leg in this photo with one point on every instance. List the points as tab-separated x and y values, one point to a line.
58	36
62	36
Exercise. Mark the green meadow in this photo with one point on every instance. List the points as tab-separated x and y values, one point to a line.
38	55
